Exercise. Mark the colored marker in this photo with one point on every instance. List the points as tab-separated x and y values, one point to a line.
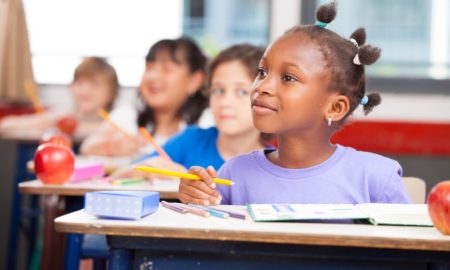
192	210
232	214
173	207
213	212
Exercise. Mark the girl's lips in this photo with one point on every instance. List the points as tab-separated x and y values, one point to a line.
262	106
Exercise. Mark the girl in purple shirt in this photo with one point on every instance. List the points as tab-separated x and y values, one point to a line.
309	81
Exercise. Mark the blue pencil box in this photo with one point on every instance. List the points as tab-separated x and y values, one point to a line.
121	204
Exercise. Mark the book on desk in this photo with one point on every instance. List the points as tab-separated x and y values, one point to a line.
374	213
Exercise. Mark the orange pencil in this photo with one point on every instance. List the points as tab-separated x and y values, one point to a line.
31	91
104	114
151	140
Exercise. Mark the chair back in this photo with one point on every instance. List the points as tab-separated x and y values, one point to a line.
416	189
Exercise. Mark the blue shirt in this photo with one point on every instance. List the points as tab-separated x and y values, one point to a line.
194	147
347	176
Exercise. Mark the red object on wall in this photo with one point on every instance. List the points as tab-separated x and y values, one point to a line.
389	137
6	109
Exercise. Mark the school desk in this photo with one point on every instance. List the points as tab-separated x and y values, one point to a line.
170	240
69	194
17	148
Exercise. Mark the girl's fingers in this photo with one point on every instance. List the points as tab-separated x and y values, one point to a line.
189	200
190	194
204	175
198	185
212	171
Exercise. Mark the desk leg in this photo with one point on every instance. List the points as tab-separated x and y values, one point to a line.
53	247
119	259
73	250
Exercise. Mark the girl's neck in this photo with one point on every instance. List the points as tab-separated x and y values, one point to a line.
296	153
166	123
231	146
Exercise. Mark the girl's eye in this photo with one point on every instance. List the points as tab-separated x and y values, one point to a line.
217	92
241	93
288	78
261	73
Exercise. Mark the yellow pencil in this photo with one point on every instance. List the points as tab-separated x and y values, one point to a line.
31	91
150	139
103	114
181	175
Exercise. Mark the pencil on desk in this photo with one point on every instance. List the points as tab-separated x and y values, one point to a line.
151	140
31	91
104	114
195	211
174	207
181	175
213	212
232	214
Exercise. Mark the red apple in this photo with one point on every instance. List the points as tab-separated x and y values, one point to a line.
439	206
67	124
56	137
54	164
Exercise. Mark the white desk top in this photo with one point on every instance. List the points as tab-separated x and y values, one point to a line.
170	224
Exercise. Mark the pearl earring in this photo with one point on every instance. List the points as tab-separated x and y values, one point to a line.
329	121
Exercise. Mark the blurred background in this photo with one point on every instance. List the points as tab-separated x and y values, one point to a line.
412	124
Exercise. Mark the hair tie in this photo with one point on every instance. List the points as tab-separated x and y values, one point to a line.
352	40
321	24
364	100
356	60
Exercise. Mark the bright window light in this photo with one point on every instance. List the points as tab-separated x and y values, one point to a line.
63	32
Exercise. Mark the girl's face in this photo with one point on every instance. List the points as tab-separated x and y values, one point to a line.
230	98
91	94
165	85
290	92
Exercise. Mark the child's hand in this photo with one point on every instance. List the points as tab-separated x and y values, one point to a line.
119	144
200	192
129	172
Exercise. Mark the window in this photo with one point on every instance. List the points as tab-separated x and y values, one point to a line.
217	24
63	32
413	34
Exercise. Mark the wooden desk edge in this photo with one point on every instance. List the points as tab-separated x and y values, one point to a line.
57	190
275	238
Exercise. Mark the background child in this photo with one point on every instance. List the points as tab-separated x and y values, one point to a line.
309	81
95	86
230	80
170	94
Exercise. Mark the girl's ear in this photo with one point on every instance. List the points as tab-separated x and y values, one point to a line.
196	82
338	107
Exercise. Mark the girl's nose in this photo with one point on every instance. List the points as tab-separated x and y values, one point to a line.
228	99
265	86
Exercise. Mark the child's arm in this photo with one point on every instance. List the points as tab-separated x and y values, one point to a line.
36	122
156	162
107	141
199	192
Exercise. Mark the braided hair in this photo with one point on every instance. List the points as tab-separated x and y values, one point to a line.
345	58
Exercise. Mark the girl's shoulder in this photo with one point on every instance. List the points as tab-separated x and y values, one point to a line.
367	158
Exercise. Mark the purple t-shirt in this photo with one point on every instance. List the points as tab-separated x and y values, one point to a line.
347	176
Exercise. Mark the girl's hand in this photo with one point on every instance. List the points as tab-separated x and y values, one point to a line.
200	192
129	172
119	144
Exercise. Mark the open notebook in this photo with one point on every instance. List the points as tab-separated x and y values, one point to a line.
375	213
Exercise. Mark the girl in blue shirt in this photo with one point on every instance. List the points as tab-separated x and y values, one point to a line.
230	80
